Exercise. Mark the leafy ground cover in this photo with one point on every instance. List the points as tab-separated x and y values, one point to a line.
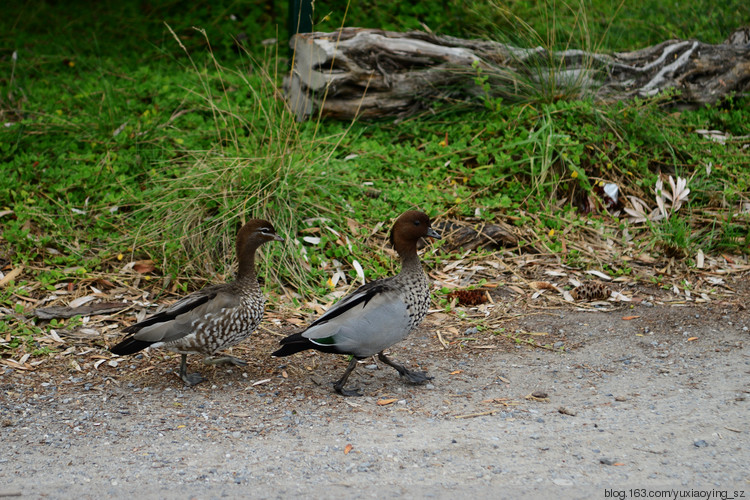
133	146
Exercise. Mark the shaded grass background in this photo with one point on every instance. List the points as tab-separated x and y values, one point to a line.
131	132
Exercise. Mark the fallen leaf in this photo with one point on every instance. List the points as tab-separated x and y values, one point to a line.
692	338
81	301
599	274
556	273
620	297
348	448
11	276
144	266
628	318
385	402
542	285
16	365
456	372
360	272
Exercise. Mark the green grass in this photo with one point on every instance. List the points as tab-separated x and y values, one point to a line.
128	136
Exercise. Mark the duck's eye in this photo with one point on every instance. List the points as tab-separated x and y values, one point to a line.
265	230
416	222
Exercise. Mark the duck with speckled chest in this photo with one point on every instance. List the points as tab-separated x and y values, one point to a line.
378	314
211	319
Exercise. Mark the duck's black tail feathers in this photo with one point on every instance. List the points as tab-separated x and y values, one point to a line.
129	346
292	344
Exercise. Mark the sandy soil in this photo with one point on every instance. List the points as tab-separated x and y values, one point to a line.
653	396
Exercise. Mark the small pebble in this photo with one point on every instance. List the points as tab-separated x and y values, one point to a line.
700	443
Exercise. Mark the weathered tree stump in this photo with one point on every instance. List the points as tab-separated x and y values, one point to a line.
374	73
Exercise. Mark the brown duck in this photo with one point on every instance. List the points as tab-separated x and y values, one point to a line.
211	319
378	314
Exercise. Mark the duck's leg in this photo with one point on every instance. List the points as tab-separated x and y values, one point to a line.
193	378
339	385
225	360
412	376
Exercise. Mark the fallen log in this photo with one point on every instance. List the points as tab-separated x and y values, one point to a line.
372	73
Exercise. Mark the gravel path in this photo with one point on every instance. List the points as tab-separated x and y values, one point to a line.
659	402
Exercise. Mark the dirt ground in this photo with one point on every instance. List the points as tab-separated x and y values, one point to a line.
568	402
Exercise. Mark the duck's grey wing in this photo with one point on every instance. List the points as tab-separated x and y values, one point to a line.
359	298
185	323
364	326
185	304
177	321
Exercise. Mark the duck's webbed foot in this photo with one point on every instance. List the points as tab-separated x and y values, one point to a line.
414	377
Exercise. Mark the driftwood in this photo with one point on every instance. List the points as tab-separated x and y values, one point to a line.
375	73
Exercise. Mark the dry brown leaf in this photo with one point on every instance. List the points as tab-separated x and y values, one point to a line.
348	448
692	339
144	266
628	318
353	225
386	402
11	276
542	285
456	372
16	365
